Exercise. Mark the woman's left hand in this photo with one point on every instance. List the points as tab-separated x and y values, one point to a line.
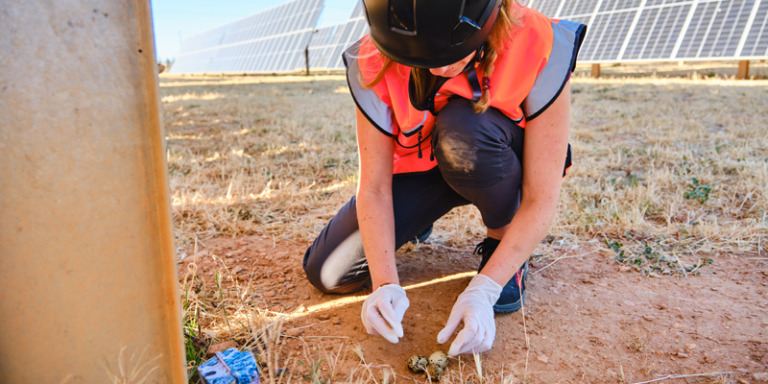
474	307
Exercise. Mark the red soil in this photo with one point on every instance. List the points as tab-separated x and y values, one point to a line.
588	320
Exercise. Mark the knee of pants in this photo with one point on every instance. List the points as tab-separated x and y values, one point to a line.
340	268
469	147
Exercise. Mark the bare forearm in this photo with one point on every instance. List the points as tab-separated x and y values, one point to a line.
545	148
530	224
377	228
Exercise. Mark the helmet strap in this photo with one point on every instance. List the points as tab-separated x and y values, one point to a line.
477	89
480	53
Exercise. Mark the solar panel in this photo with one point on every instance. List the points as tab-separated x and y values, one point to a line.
269	41
666	30
319	46
756	41
325	51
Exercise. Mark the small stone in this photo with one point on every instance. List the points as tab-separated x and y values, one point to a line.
324	316
649	318
659	353
690	347
435	372
336	320
221	347
270	294
662	306
543	358
629	303
708	359
714	289
677	325
762	376
439	358
624	269
294	332
418	363
742	381
682	355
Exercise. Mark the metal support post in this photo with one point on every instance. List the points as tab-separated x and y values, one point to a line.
595	70
743	72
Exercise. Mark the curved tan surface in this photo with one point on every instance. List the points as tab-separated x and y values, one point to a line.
86	251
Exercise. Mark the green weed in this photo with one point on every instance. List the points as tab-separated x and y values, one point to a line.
653	260
697	192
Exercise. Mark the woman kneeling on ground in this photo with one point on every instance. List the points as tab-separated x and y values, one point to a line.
459	102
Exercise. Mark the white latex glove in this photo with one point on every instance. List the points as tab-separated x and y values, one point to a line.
383	312
475	308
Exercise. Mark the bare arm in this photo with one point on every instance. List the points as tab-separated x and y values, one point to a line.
374	202
544	151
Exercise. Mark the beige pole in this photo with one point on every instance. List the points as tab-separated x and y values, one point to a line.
87	276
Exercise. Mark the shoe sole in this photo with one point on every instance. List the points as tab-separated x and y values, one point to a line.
509	308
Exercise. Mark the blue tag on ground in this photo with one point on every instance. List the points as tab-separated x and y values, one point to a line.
230	367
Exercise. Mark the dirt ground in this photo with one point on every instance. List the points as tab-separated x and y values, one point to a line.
589	318
672	168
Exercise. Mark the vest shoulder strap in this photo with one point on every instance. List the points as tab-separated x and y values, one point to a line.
567	39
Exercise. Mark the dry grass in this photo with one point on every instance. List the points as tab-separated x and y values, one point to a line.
276	156
224	309
639	144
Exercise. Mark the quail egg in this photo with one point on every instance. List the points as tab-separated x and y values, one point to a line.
439	359
435	372
418	363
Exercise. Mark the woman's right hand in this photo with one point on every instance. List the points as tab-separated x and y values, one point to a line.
384	309
383	312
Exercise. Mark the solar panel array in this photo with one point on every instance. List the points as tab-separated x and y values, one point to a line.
666	30
269	41
327	44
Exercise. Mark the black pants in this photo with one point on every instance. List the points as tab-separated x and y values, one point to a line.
479	162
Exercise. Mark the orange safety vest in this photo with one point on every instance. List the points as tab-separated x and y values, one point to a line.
529	74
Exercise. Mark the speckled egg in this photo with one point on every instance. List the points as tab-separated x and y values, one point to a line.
435	372
418	363
439	359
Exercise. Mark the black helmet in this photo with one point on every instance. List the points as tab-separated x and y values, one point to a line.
430	33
